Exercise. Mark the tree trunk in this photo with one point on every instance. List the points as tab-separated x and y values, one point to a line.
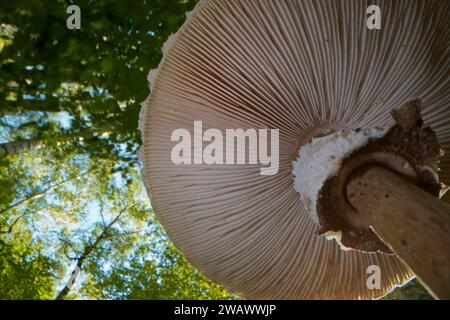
88	249
16	147
413	223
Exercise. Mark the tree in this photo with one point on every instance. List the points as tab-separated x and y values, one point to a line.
88	248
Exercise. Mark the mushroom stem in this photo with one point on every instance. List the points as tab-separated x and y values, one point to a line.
412	222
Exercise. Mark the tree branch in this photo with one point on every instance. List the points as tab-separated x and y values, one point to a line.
39	194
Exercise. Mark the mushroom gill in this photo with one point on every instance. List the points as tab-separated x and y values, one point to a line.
305	68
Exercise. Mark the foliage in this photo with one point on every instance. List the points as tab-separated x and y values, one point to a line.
97	75
24	272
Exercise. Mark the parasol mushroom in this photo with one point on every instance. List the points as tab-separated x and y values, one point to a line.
309	69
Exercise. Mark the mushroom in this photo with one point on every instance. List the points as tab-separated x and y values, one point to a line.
309	69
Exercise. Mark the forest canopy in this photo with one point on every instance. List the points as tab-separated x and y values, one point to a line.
75	220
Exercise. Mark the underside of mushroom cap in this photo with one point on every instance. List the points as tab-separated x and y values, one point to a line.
301	67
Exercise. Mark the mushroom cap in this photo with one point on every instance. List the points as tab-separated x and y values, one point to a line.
305	68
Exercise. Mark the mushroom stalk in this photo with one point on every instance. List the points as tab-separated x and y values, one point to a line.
413	223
